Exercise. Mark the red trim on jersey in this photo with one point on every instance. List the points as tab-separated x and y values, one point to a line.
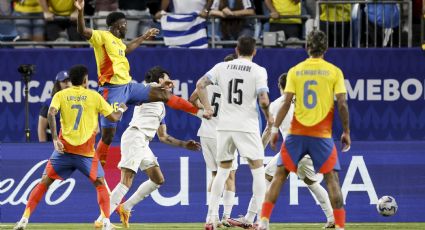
51	173
322	129
105	93
287	161
330	162
86	149
106	68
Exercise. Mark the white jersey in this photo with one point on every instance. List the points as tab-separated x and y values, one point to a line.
148	117
188	6
240	82
208	127
286	123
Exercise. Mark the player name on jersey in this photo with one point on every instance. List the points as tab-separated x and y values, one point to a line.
239	67
76	98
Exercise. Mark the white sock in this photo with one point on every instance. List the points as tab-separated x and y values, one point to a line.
106	220
258	186
116	196
142	192
323	198
228	198
252	210
216	190
208	203
252	207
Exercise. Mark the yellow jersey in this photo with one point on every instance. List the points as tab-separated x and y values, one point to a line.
335	12
287	7
28	6
109	51
314	83
79	109
61	7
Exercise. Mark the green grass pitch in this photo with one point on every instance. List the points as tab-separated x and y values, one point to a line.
182	226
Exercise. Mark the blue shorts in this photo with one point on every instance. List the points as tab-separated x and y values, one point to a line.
61	166
321	150
131	93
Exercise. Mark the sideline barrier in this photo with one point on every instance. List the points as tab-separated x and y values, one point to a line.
369	171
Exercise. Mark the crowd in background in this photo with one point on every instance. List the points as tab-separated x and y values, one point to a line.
55	20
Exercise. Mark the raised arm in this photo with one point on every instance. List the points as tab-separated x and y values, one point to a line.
279	118
151	33
81	25
167	139
345	120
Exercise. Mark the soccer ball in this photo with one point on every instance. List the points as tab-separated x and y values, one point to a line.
387	206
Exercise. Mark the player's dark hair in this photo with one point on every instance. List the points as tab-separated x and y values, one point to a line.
246	46
154	74
231	57
113	17
77	74
317	43
282	80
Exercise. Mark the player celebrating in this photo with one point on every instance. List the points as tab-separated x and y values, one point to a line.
114	72
135	152
208	135
74	148
241	81
314	82
305	168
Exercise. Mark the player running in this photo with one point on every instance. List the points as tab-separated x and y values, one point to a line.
305	168
241	81
114	73
136	154
315	83
208	135
74	148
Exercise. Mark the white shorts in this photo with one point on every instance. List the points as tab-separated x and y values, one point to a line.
209	150
249	145
305	168
135	151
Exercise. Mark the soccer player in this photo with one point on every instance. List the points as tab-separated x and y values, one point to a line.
114	73
74	147
241	82
314	83
305	168
136	154
208	135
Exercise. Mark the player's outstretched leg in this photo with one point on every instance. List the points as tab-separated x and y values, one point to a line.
104	202
271	196
323	198
102	148
335	196
36	194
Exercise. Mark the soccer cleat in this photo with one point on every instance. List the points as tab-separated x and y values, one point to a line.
263	225
241	222
329	225
21	225
99	224
225	222
107	226
124	215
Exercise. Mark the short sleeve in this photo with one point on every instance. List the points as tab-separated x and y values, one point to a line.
261	81
212	74
44	110
96	38
56	101
248	4
339	86
103	106
290	82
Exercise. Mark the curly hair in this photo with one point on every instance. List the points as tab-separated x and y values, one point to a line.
317	43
